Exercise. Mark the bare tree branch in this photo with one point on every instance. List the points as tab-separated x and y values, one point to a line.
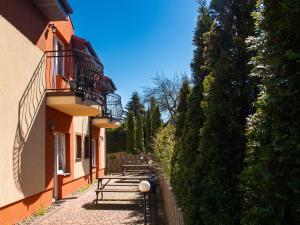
165	90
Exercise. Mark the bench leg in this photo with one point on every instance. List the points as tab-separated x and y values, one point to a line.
97	197
101	195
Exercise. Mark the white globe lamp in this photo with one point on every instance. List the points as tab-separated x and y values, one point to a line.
144	186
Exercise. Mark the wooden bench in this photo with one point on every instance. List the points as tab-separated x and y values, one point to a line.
146	168
101	187
116	190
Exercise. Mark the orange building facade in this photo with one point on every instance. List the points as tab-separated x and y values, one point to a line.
55	105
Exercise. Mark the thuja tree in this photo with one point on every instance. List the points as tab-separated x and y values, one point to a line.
116	139
130	137
156	118
226	105
271	178
148	131
189	124
176	163
139	136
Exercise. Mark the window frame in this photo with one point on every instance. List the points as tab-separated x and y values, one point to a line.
57	41
60	138
86	147
94	152
76	147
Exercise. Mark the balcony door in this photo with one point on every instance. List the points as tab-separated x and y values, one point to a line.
58	61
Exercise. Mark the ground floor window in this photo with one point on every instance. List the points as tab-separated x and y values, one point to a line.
94	153
60	149
78	146
86	147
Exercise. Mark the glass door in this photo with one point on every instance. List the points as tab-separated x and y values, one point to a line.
58	61
59	160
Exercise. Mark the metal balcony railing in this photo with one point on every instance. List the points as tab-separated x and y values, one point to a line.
113	107
74	71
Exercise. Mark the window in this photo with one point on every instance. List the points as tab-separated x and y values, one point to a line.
60	149
86	147
59	63
94	153
78	146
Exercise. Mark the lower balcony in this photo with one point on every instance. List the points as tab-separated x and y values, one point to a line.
103	122
111	114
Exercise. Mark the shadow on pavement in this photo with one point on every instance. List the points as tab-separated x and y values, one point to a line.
112	206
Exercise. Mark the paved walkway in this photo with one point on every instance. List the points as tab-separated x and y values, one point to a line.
82	210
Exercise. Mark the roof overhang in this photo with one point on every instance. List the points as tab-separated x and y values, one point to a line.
54	10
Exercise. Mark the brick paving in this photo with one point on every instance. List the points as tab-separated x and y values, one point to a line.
127	209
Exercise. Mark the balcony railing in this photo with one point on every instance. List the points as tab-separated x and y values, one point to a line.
65	73
113	107
76	72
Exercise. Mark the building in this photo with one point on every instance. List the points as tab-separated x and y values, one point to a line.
55	104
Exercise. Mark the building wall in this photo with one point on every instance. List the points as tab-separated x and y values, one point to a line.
81	166
26	135
102	152
18	59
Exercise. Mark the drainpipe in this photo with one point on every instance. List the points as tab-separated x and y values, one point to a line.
90	148
105	170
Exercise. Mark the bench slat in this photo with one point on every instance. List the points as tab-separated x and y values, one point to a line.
116	190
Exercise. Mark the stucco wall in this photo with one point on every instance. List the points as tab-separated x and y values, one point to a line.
81	166
102	149
22	167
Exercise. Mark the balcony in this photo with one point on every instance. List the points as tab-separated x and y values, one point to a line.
72	82
111	114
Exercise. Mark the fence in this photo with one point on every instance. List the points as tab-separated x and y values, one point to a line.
172	212
116	160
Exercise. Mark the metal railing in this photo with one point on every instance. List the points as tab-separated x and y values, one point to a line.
112	108
70	71
74	71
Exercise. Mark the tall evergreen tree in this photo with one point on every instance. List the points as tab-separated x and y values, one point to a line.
271	178
176	179
139	141
188	125
226	104
148	131
130	133
188	192
156	120
135	105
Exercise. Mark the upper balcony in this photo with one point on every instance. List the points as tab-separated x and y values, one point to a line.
72	82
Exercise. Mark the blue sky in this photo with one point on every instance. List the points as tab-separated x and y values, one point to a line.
136	39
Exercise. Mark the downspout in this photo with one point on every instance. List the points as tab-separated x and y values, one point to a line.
105	170
90	148
104	135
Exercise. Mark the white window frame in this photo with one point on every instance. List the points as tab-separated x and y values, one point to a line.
57	41
94	151
60	152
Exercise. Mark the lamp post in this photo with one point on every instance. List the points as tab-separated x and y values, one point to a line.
144	187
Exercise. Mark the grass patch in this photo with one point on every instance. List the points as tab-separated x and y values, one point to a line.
41	211
83	189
